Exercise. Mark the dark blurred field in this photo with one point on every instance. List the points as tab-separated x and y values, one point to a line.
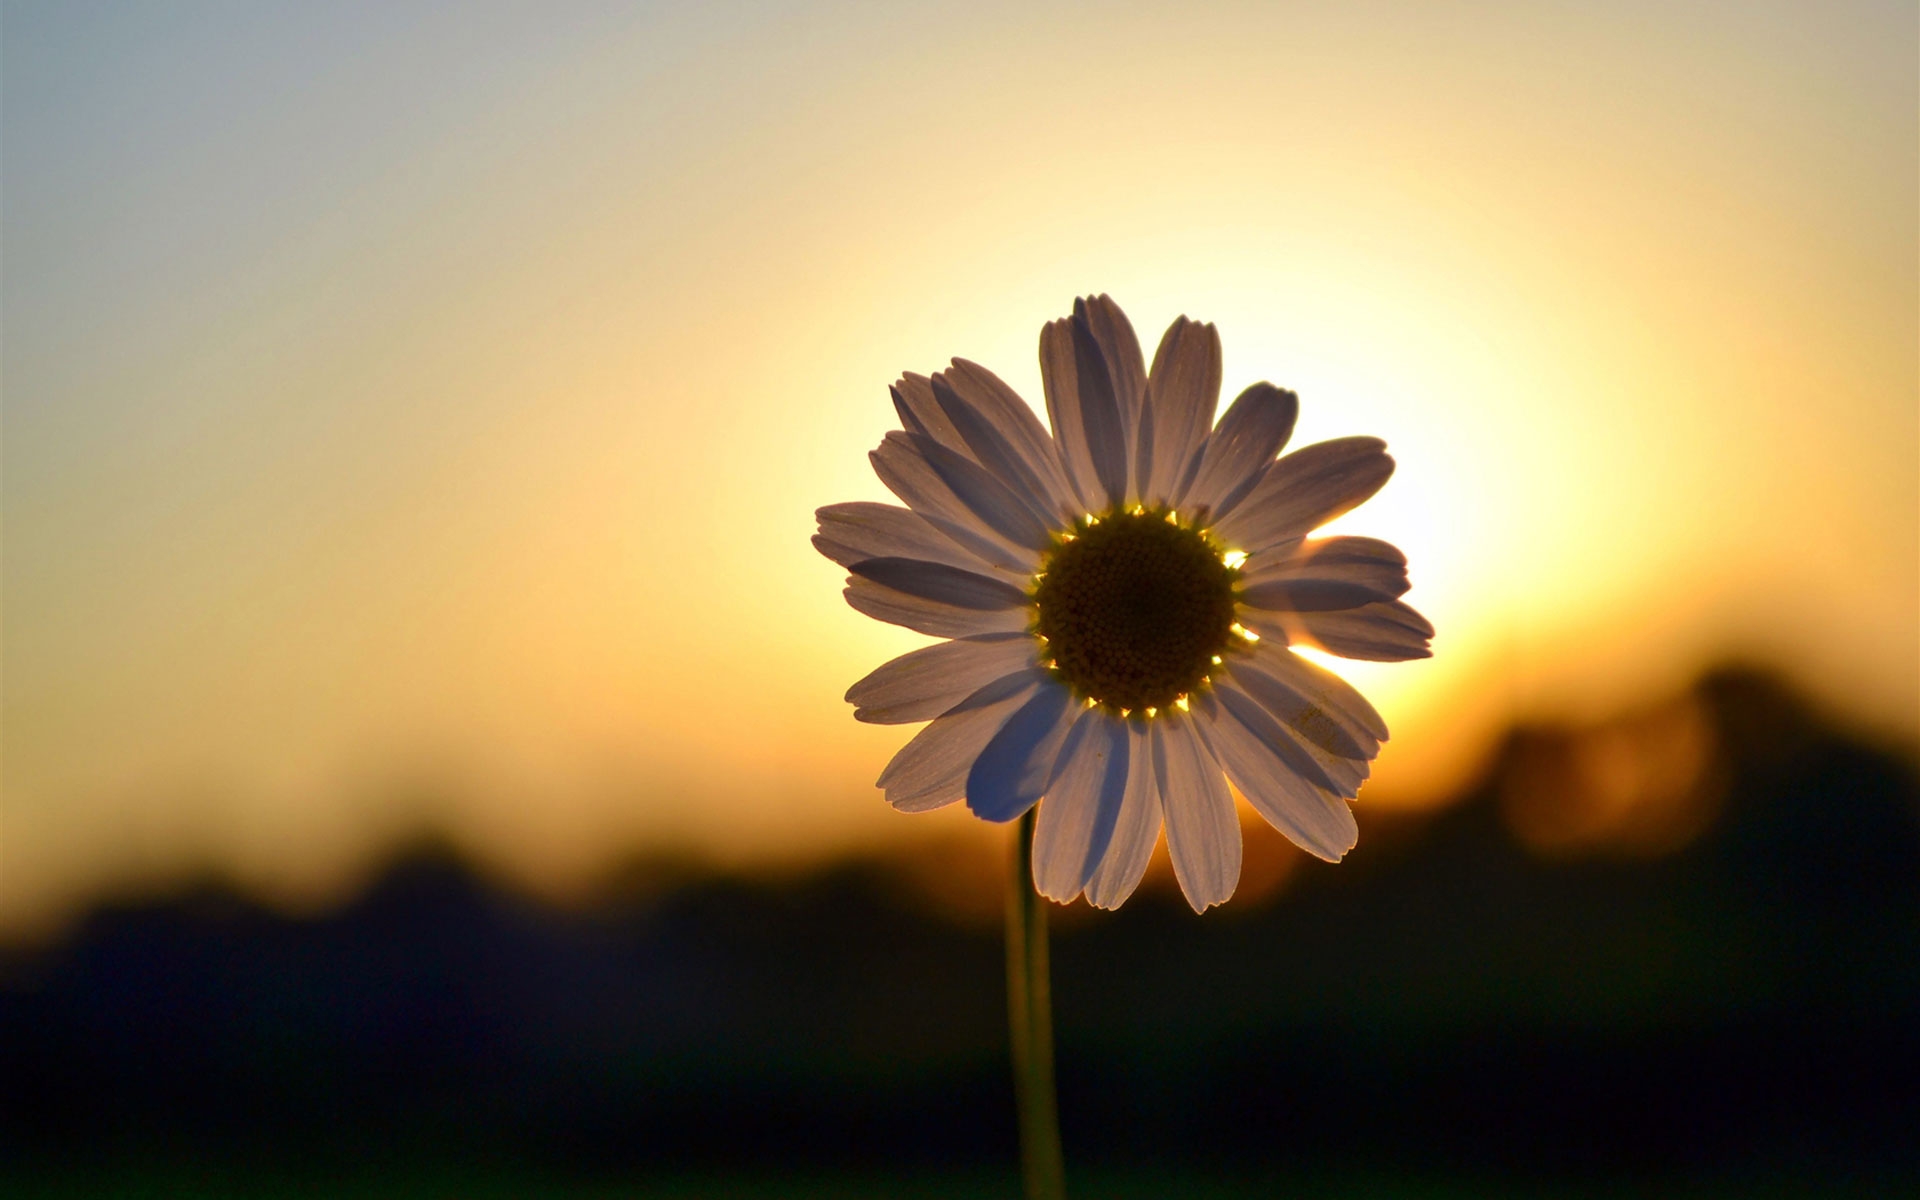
1450	1013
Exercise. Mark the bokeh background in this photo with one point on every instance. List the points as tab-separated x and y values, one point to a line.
422	737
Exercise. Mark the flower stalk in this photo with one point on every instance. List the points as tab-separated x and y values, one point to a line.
1030	1025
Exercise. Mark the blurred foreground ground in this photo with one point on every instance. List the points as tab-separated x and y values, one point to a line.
1678	954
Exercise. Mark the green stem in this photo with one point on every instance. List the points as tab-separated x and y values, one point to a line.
1030	1024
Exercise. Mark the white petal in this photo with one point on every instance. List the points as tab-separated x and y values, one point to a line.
1317	713
1060	383
1325	575
1136	830
931	770
1340	699
855	532
1339	557
1305	490
1203	832
927	682
1013	770
1183	388
1082	805
1126	369
1240	448
1275	627
998	507
1329	725
1091	368
1113	333
909	475
1319	767
1388	632
920	413
942	583
883	603
1313	818
1005	437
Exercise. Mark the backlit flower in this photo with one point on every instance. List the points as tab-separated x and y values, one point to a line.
1120	597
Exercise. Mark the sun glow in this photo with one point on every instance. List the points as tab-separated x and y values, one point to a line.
1332	662
366	499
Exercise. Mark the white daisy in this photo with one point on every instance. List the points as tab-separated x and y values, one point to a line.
1120	597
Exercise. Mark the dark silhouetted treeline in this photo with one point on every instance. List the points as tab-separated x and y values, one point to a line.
1448	1001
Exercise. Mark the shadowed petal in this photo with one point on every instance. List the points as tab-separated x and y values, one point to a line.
1004	436
856	532
1183	388
920	412
1314	712
1126	370
1318	766
938	581
927	682
1090	365
1322	687
1386	632
1337	557
1241	447
1327	719
1013	770
1134	831
931	770
1259	757
1326	575
883	603
1082	805
998	507
1119	348
1203	832
909	474
1305	490
1059	379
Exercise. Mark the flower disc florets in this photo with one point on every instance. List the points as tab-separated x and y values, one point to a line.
1135	609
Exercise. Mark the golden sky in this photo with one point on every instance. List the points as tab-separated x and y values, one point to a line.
414	414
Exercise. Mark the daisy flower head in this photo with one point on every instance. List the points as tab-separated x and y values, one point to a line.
1119	598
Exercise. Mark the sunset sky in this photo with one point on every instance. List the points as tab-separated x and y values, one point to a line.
414	413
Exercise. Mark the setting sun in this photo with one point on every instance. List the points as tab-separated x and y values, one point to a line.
449	463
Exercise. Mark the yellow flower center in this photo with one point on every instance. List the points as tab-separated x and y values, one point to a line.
1135	609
